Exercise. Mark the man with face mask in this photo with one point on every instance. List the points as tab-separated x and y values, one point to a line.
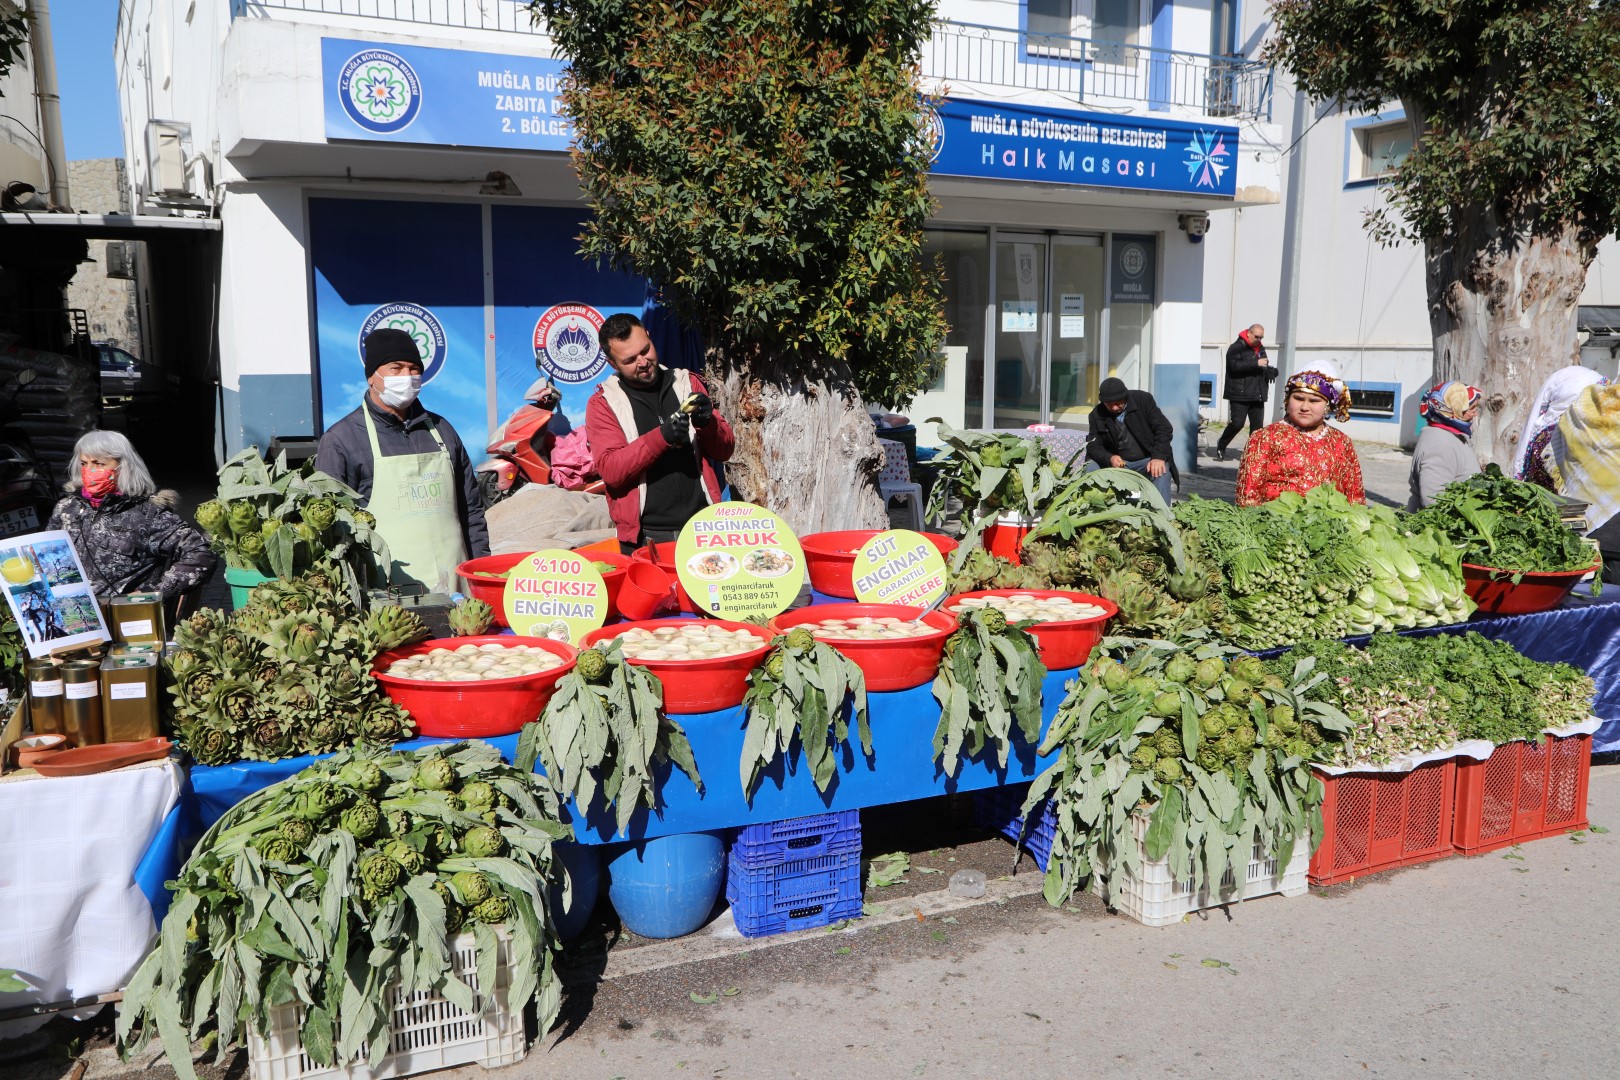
409	467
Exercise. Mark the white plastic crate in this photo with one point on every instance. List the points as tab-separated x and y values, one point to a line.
429	1032
1157	899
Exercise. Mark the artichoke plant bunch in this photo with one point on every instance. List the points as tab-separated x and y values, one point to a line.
991	475
288	674
604	733
1210	749
279	522
806	692
989	683
342	881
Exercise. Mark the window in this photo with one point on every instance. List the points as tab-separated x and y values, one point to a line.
1377	149
1111	22
1374	401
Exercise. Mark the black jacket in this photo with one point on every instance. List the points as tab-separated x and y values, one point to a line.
345	453
1246	380
135	544
1146	423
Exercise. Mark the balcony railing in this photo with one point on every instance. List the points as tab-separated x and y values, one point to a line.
508	15
965	56
989	59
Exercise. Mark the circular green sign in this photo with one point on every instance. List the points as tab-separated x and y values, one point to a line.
555	594
899	567
737	559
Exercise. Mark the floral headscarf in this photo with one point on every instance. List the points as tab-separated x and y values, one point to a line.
1448	403
1322	379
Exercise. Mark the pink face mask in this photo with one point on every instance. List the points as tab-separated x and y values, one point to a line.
98	483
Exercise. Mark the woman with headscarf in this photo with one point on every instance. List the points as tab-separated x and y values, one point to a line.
1442	453
125	530
1583	457
1558	393
1300	451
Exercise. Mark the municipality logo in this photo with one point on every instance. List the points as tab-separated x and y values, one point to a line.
417	321
1207	159
566	342
380	91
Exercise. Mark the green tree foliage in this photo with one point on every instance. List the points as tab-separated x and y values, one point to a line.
13	39
1511	101
764	161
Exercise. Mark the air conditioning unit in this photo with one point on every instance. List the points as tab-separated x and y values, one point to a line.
121	259
168	145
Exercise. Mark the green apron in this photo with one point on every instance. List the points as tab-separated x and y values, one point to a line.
413	497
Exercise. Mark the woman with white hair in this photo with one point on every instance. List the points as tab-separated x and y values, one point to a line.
125	530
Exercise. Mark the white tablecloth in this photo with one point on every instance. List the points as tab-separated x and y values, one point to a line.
72	921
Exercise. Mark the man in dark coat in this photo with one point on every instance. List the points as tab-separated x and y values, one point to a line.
1129	431
1248	384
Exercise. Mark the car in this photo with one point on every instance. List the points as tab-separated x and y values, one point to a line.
122	375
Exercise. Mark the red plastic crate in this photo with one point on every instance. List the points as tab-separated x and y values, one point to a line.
1522	792
1378	821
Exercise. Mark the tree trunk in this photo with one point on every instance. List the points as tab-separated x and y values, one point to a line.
1503	301
806	447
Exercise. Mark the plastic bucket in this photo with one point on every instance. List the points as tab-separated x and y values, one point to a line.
492	590
695	686
1496	594
830	558
1005	538
663	556
1062	644
667	887
643	589
458	710
241	583
895	664
583	865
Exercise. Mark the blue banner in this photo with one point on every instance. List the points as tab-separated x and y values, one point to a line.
999	141
445	97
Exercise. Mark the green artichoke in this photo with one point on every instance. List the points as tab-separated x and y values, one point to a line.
362	775
1143	757
1167	704
318	513
214	519
300	638
378	875
383	723
454	916
277	848
298	831
1212	724
1297	747
776	665
326	734
478	796
242	517
993	620
1251	669
315	801
366	518
1312	733
362	819
1209	672
391	626
270	739
592	665
1167	742
1180	668
292	691
493	910
470	618
410	860
250	547
398	822
471	886
435	773
199	632
1210	758
1168	770
483	842
210	745
801	638
235	700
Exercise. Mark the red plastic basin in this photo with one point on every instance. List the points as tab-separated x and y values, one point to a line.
830	558
492	590
695	686
1496	594
663	556
897	664
1064	644
455	710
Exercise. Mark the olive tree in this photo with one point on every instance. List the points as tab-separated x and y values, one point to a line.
764	162
1514	174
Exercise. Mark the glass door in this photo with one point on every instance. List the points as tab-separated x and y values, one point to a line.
1018	340
1077	331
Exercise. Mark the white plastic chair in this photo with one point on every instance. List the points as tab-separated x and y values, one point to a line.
895	482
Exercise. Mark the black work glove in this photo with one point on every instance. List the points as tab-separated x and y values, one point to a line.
702	410
676	432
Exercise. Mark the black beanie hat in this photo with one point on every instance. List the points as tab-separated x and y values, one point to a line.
387	345
1111	390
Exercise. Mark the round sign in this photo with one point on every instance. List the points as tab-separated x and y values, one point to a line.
899	567
566	343
555	594
419	323
380	91
736	560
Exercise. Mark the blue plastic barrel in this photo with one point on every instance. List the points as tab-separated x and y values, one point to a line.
583	862
667	886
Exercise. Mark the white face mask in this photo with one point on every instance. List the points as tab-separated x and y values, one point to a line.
399	391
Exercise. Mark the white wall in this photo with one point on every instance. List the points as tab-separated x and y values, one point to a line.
21	157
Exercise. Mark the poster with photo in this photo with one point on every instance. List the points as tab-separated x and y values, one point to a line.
50	596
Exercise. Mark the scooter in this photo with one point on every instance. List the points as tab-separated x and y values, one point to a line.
27	494
520	449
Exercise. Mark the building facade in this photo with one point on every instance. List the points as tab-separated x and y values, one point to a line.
404	165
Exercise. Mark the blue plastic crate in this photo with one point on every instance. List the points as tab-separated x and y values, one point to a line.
797	895
798	838
998	810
